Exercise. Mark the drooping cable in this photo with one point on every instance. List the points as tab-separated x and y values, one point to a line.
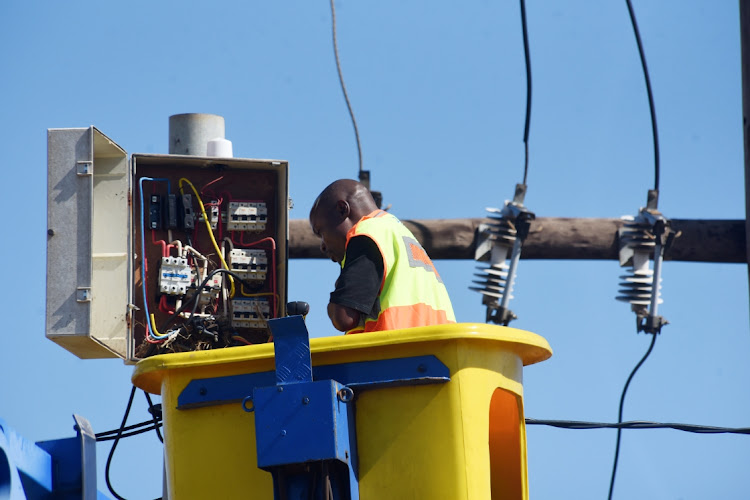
654	129
527	58
619	413
343	86
114	445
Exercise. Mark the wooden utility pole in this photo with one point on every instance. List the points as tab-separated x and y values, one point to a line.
557	238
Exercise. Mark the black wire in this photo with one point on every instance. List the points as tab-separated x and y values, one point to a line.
619	414
107	435
153	414
528	90
150	428
114	445
650	95
176	314
194	299
343	87
638	424
205	281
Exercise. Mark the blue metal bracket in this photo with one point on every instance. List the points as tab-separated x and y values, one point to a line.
291	347
305	431
415	370
61	469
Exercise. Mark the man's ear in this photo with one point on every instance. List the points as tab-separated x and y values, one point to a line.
343	209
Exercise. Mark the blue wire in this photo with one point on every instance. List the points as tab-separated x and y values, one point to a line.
149	331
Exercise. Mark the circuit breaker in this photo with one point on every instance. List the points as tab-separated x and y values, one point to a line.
152	254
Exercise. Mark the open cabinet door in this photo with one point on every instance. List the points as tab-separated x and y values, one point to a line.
88	243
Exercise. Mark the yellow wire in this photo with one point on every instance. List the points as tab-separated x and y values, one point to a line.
210	231
153	328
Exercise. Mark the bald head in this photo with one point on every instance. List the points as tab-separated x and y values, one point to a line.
339	207
354	193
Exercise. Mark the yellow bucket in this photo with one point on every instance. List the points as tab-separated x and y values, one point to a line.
463	439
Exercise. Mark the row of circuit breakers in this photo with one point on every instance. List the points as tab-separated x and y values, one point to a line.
178	275
170	253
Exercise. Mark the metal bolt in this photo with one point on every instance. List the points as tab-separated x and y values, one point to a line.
283	432
51	232
203	391
280	389
421	368
305	400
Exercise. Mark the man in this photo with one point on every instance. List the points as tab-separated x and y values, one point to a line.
387	281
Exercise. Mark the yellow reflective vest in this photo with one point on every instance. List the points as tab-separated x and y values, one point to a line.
412	292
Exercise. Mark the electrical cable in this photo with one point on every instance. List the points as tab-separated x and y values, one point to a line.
144	426
273	293
210	231
343	87
212	182
124	435
117	440
652	110
149	325
639	424
151	410
206	280
528	90
619	413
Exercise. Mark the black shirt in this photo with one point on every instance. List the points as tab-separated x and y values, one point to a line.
358	285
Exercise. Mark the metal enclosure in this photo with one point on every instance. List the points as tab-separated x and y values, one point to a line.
95	266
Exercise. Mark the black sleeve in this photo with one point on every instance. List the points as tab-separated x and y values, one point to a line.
358	285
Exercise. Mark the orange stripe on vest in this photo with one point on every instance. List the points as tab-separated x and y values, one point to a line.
404	317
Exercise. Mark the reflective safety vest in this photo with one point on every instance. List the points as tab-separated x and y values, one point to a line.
412	292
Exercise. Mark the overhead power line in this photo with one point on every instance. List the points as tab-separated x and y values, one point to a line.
638	424
527	58
654	130
343	86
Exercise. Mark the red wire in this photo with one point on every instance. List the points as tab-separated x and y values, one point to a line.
148	322
273	266
164	247
212	182
165	253
164	306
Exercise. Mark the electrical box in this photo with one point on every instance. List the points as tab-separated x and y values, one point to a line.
151	254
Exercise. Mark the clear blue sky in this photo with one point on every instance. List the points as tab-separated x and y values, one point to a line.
438	89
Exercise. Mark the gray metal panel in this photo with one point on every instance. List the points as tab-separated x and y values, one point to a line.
69	219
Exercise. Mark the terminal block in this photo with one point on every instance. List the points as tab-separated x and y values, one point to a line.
250	313
174	276
250	264
247	216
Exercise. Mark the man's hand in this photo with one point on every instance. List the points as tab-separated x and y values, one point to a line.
343	318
